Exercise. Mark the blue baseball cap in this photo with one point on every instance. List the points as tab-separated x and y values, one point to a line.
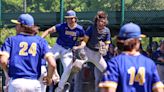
130	30
25	19
70	14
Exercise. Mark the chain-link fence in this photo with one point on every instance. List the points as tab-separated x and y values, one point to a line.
147	13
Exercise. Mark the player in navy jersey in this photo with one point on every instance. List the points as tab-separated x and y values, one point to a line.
68	34
130	71
95	42
24	53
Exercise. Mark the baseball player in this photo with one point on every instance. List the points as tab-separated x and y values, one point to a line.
23	53
96	44
68	34
130	71
158	56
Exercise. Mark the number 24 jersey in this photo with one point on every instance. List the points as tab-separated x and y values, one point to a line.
26	53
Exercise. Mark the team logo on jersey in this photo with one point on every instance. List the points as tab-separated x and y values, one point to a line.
71	33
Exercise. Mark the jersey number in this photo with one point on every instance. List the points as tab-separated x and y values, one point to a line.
139	77
24	51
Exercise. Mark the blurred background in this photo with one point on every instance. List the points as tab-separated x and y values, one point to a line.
149	14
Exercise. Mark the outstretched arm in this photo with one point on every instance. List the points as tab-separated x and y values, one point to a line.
48	31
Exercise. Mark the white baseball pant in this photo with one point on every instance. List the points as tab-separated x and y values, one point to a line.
24	85
66	57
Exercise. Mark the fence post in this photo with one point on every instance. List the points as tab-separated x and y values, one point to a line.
24	6
0	14
61	21
61	10
122	11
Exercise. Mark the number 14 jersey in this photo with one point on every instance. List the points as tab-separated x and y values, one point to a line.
130	73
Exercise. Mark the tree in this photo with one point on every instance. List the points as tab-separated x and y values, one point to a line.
80	5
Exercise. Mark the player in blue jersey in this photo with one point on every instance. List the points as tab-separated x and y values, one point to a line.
22	57
130	71
68	34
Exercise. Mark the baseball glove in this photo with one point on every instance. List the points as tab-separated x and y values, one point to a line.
102	48
79	54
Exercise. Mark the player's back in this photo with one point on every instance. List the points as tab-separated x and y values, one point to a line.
135	73
25	55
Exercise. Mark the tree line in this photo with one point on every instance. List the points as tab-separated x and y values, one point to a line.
80	5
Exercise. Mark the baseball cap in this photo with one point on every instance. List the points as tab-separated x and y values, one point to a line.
70	14
130	30
25	19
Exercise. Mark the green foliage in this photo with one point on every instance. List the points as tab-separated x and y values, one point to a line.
145	41
80	5
148	5
12	6
15	6
5	32
51	40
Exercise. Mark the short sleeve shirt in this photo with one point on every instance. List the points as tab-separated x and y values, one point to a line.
95	37
26	53
131	73
68	37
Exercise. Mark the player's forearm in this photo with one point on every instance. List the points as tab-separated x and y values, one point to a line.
51	71
51	66
48	31
82	45
108	90
4	63
45	34
158	90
